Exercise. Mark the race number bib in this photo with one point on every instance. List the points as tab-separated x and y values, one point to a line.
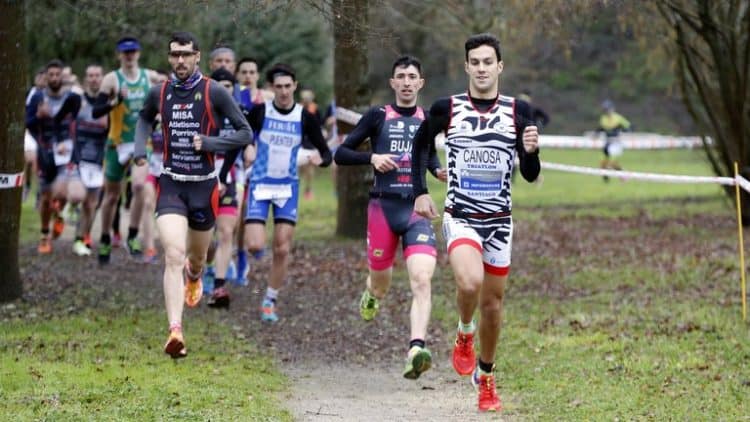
125	152
63	152
264	192
92	175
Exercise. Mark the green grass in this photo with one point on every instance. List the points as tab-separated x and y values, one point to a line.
561	189
634	342
29	221
637	342
109	366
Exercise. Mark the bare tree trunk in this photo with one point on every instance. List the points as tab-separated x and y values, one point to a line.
13	75
712	46
351	91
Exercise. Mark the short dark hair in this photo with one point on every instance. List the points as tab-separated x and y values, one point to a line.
280	69
54	63
93	64
479	40
406	61
184	38
222	74
247	60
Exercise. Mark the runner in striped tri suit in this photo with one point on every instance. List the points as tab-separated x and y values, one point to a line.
192	109
484	132
390	212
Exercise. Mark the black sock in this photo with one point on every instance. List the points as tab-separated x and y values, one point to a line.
105	239
45	231
416	342
486	367
219	282
79	238
132	232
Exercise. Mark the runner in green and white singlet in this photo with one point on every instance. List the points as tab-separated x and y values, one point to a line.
122	95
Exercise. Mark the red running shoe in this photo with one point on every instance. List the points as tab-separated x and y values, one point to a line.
175	346
464	358
485	386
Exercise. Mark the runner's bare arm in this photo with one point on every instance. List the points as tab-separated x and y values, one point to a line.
145	124
153	77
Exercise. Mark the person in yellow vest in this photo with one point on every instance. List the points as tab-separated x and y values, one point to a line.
122	95
612	123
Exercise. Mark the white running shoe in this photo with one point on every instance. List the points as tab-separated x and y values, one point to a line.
80	248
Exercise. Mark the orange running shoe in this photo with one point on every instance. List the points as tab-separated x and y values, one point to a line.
464	358
485	386
175	346
193	286
45	245
57	227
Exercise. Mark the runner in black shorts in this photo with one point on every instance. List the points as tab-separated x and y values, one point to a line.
390	213
192	109
484	133
220	252
49	116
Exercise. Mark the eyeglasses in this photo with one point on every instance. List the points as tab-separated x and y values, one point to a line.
183	54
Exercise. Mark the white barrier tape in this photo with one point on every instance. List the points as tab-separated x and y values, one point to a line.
628	141
10	181
347	116
631	175
744	183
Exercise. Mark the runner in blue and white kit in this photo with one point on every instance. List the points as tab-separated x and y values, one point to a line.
280	125
484	132
390	212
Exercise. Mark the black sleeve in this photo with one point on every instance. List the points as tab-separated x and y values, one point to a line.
311	129
32	122
368	127
224	106
541	117
101	106
424	142
530	165
433	164
255	118
146	119
229	158
70	106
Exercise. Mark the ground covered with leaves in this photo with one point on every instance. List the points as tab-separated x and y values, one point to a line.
633	316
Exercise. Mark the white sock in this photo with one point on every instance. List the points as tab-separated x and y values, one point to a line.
466	328
272	294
